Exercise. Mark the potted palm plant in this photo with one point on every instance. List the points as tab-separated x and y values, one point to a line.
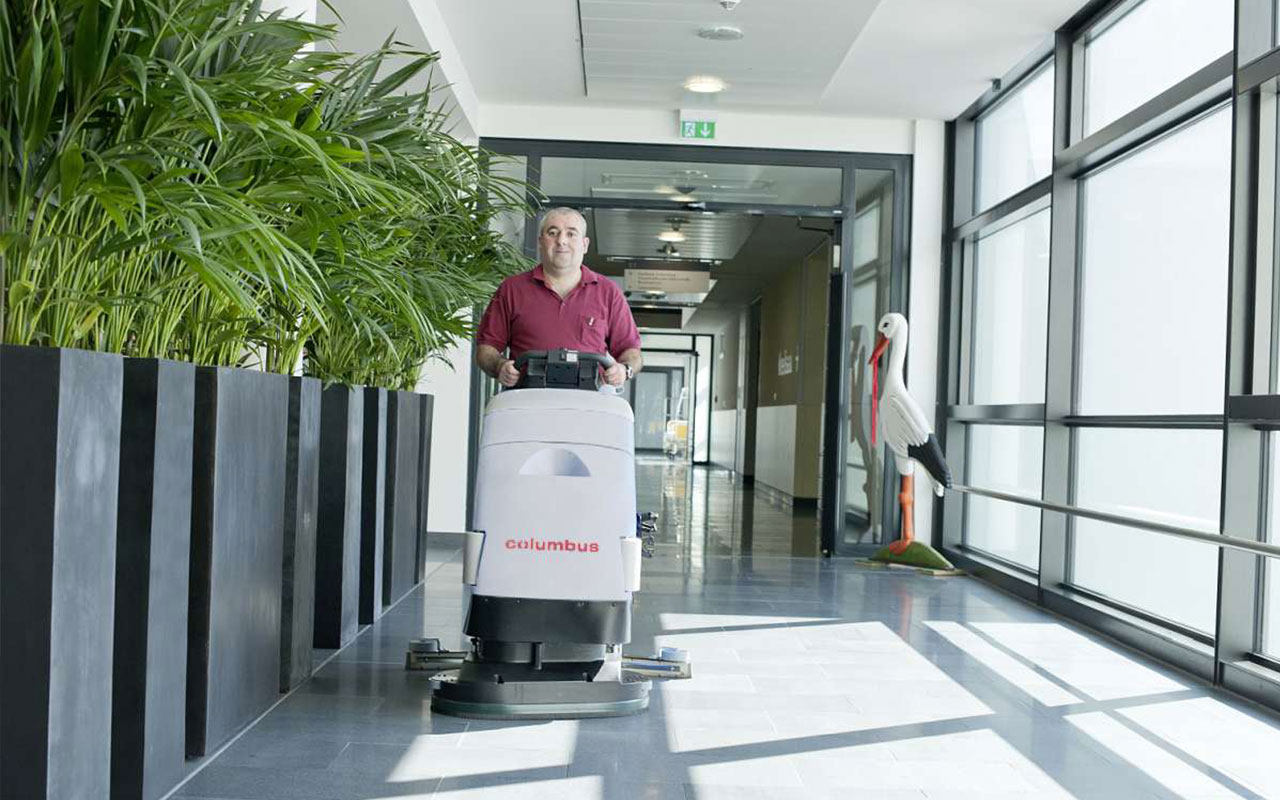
188	181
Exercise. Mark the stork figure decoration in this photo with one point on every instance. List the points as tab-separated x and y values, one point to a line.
903	426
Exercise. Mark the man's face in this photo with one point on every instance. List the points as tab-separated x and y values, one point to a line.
563	241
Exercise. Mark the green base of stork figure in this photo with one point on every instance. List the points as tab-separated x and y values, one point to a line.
907	432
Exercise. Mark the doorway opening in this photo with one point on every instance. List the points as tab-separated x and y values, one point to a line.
757	278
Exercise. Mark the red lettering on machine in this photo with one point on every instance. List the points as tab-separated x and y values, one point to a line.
554	545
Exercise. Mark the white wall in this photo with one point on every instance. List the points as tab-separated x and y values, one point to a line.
301	9
417	25
733	128
776	447
449	382
724	437
924	305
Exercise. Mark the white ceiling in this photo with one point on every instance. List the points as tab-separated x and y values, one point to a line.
924	59
643	50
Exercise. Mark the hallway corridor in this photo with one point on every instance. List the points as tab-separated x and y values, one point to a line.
812	679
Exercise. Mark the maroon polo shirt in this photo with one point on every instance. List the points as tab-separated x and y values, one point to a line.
527	314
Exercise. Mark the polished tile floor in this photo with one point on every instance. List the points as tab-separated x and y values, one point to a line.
813	679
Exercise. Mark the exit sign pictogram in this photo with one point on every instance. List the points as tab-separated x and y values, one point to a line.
697	129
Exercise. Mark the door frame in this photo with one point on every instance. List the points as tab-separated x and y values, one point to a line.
836	395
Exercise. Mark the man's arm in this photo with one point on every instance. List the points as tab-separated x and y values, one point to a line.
497	365
632	359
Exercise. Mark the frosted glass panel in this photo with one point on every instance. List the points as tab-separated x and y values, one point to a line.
866	236
1015	140
1010	313
1153	308
1170	476
1005	458
1148	50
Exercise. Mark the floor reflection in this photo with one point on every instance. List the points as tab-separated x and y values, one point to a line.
709	512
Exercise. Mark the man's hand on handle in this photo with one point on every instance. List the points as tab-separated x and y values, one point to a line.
508	375
616	375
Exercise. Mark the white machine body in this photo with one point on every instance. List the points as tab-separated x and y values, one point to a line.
555	498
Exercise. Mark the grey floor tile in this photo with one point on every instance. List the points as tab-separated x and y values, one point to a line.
813	679
257	783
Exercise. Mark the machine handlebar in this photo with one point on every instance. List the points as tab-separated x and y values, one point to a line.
603	359
561	369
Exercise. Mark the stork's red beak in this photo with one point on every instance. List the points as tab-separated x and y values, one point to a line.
882	344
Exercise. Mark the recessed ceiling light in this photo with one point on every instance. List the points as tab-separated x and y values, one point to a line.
663	188
671	236
721	33
704	84
684	198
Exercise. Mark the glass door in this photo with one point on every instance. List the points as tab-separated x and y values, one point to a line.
868	290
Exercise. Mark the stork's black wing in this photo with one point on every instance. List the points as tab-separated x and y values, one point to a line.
930	457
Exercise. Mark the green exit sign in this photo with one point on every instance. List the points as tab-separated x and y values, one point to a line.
697	129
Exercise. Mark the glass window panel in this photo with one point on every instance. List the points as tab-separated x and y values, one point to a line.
1148	50
687	182
1265	330
1271	592
1010	312
511	223
1015	140
1005	458
1154	256
1169	476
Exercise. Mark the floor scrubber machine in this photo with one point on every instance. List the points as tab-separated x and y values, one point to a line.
550	570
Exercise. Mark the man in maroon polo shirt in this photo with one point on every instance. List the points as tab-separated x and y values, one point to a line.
558	304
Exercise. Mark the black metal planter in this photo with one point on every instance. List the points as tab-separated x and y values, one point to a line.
400	524
152	566
59	469
427	403
298	580
337	571
237	544
372	503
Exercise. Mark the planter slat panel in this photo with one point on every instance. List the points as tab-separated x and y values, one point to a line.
338	523
59	469
372	503
237	548
152	571
401	520
424	485
302	485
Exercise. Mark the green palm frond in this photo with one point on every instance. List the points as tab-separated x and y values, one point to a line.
195	179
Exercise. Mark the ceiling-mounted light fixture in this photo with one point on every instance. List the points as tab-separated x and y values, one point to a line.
673	235
704	84
720	33
684	198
